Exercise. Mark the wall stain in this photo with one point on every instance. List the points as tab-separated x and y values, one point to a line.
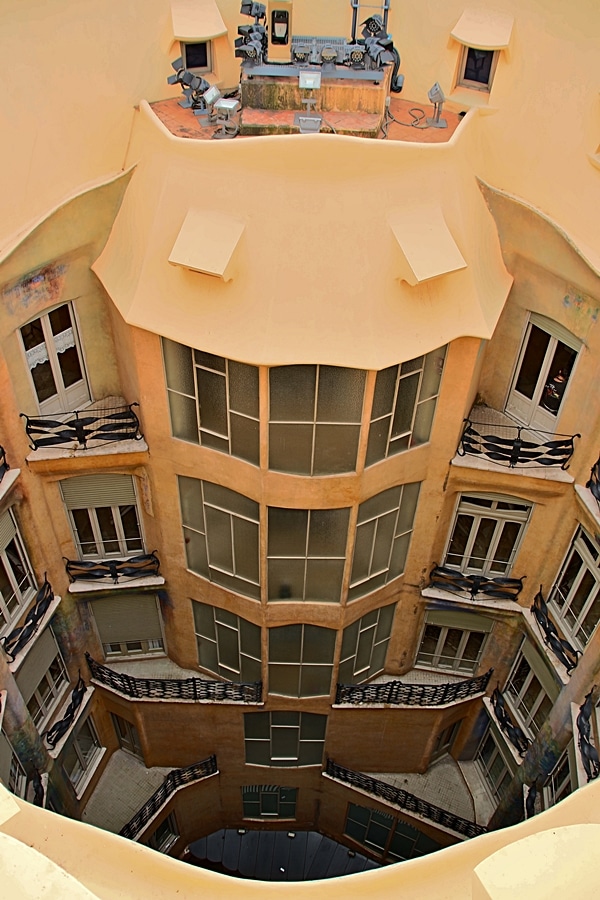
41	287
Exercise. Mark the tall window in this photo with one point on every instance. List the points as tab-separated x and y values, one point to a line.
486	534
404	405
55	362
453	641
530	690
269	801
364	646
560	782
284	738
42	678
314	416
383	533
385	835
493	764
576	592
103	514
17	584
301	660
542	373
213	400
221	530
81	754
227	644
477	68
307	552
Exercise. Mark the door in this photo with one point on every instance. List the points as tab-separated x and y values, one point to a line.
542	374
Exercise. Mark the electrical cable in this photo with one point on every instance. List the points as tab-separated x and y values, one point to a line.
416	113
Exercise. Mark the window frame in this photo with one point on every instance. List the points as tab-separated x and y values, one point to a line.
493	786
116	510
222	619
165	842
369	628
516	697
561	783
22	596
131	647
66	399
307	647
590	567
483	86
469	666
197	70
272	722
86	765
501	518
270	790
48	702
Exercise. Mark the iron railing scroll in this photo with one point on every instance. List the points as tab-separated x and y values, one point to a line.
174	688
13	643
4	466
144	565
589	753
174	780
562	649
60	728
401	694
594	483
100	425
475	587
404	800
516	735
505	445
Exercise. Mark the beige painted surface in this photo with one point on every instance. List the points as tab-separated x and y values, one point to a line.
196	20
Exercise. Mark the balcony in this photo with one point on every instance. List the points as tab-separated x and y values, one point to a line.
106	422
561	648
4	466
513	732
491	435
115	571
190	689
15	642
474	587
589	753
404	800
398	693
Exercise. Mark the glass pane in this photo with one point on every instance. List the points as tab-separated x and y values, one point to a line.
568	579
313	726
405	404
227	640
43	380
473	646
212	402
505	546
70	367
286	579
315	681
478	65
365	647
85	535
319	644
284	679
423	422
251	669
245	537
250	638
432	373
284	743
340	394
290	448
195	551
533	359
292	393
328	532
335	448
519	678
287	531
207	655
285	644
361	563
178	367
258	753
209	360
324	579
378	438
590	621
131	528
383	398
481	544
208	439
108	531
230	500
256	725
184	421
542	713
245	439
380	503
311	753
558	376
399	554
349	640
243	388
190	495
579	598
378	657
429	643
449	650
383	542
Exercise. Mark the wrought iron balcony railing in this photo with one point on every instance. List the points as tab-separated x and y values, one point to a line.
561	648
594	482
18	638
506	445
98	425
475	586
116	569
4	466
174	780
404	800
516	736
399	693
60	728
174	689
589	753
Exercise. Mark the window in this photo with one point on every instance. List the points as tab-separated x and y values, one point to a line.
81	754
301	660
129	625
284	738
42	678
307	552
486	534
213	401
221	532
445	739
383	531
493	765
560	783
542	373
17	584
385	835
103	514
404	405
12	773
165	836
269	801
576	593
530	690
364	646
314	416
227	644
453	641
55	362
128	736
197	57
477	68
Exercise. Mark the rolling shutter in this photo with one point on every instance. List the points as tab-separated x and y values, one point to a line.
36	663
7	530
88	491
463	620
127	617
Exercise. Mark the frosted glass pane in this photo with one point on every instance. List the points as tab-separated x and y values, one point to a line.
386	617
283	679
423	422
385	385
366	587
346	672
245	538
226	617
195	551
324	579
184	422
250	638
256	725
285	644
315	681
209	360
204	620
383	541
365	646
311	753
335	448
349	640
218	532
245	438
312	726
258	753
412	365
340	394
230	500
286	579
292	393
207	656
319	644
405	404
251	669
284	743
227	640
399	554
212	401
287	531
378	437
410	497
243	388
361	564
380	503
378	657
432	373
290	448
207	439
237	585
285	717
328	532
178	367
